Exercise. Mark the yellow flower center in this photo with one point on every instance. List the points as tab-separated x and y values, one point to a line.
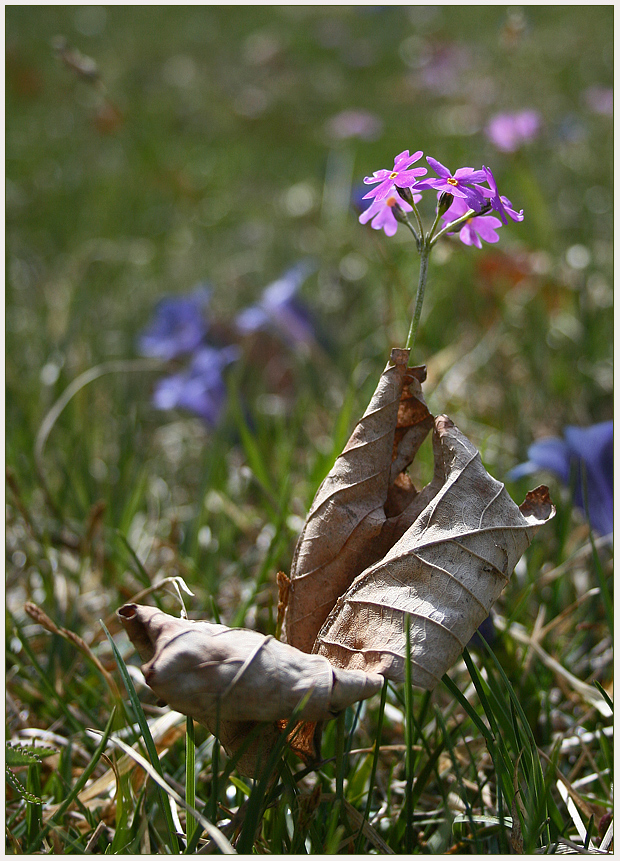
391	201
393	175
452	181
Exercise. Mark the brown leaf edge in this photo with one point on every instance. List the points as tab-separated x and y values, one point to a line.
364	520
537	504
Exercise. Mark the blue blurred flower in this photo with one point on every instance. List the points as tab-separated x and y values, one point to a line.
201	388
179	325
358	199
280	310
485	631
589	448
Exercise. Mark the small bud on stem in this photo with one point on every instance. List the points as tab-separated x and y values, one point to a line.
444	203
406	195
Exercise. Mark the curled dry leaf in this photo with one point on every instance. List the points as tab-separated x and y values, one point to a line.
237	677
354	517
443	574
374	556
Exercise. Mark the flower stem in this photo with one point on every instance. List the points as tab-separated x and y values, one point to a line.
451	228
410	226
418	219
419	299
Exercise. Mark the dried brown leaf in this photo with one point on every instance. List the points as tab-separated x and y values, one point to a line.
349	525
443	574
374	555
237	677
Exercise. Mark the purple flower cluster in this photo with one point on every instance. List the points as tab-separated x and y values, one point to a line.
472	191
180	328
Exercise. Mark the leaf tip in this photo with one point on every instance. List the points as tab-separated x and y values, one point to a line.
443	424
537	504
399	356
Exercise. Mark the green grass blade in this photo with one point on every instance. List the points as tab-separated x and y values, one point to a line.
457	771
469	709
257	799
79	784
141	571
375	763
604	694
190	777
409	732
173	840
47	686
168	790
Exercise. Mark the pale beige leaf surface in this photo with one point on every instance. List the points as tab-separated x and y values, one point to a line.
237	677
444	573
346	527
200	668
374	555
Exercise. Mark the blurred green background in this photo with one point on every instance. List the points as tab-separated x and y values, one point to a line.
206	147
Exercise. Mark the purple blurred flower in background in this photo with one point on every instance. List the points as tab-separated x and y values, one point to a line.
381	213
281	311
600	100
355	123
589	449
507	132
401	175
179	325
443	68
201	388
475	228
458	185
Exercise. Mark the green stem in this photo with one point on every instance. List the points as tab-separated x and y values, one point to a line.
419	220
451	228
409	225
419	299
429	238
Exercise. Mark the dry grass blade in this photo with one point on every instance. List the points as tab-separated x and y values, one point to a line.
589	693
38	615
357	820
164	731
47	425
607	838
572	810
